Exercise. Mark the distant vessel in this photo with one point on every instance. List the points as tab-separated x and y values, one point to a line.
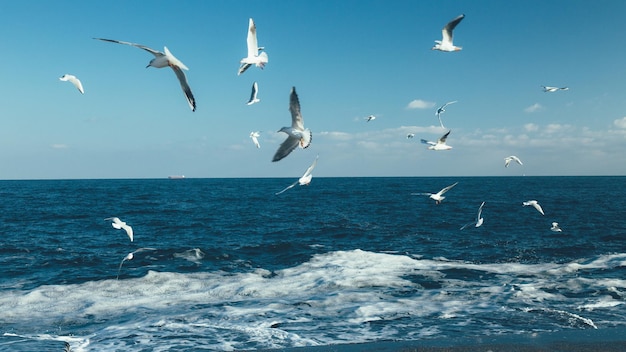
176	177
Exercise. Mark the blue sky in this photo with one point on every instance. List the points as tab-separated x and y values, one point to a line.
347	60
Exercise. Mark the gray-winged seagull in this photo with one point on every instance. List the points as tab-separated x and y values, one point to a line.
440	144
297	135
75	81
445	44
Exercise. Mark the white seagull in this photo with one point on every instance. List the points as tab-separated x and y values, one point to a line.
535	204
479	220
370	118
555	227
440	144
443	109
305	180
508	160
130	256
121	225
254	136
548	89
297	135
253	95
437	197
75	81
445	44
255	56
164	60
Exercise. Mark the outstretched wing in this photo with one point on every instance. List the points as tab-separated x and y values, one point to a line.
286	147
446	189
253	47
444	137
427	142
294	107
310	169
183	84
448	28
288	187
150	50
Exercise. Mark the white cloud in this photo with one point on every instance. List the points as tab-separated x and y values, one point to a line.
534	108
620	123
531	127
420	104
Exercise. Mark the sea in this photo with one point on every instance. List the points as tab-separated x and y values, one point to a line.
226	264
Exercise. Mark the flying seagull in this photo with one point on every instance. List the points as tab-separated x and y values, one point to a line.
75	81
255	56
548	89
130	256
254	136
305	179
445	44
437	197
440	144
535	204
119	224
410	135
164	60
443	109
555	227
253	95
508	160
370	118
297	135
479	220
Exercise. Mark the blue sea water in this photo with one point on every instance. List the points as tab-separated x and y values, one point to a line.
232	266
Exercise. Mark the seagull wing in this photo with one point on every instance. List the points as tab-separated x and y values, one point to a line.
310	169
286	147
440	122
427	142
517	160
243	68
288	187
253	94
129	231
183	84
448	103
255	140
466	225
294	108
480	211
443	138
253	47
150	50
538	207
448	28
446	189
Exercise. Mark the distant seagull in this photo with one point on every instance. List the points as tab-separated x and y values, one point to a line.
67	348
553	89
508	160
479	220
130	256
253	95
445	44
305	179
254	136
119	224
410	135
370	118
297	134
443	109
255	57
441	143
437	197
75	81
555	227
164	60
535	204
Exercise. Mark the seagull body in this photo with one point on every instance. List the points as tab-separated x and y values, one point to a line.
130	256
443	109
548	89
297	135
508	160
479	220
255	136
535	204
440	144
445	44
437	197
75	81
370	118
410	135
305	180
555	227
253	95
255	56
165	59
121	225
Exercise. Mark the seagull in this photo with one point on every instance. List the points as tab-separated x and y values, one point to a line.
305	179
410	135
534	204
443	109
254	136
119	224
253	95
255	56
508	160
297	134
164	60
67	347
479	220
445	44
75	81
438	197
555	227
548	89
130	256
441	143
370	118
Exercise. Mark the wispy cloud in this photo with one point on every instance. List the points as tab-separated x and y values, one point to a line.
620	123
531	127
534	108
420	104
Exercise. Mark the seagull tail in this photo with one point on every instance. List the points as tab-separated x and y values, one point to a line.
306	139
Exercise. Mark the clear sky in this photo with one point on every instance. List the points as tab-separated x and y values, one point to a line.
347	59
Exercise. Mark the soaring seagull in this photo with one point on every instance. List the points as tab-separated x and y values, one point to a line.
437	197
441	109
305	180
534	204
130	256
254	94
121	225
508	160
548	89
440	144
445	44
255	135
297	135
75	81
255	56
164	60
479	220
370	118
